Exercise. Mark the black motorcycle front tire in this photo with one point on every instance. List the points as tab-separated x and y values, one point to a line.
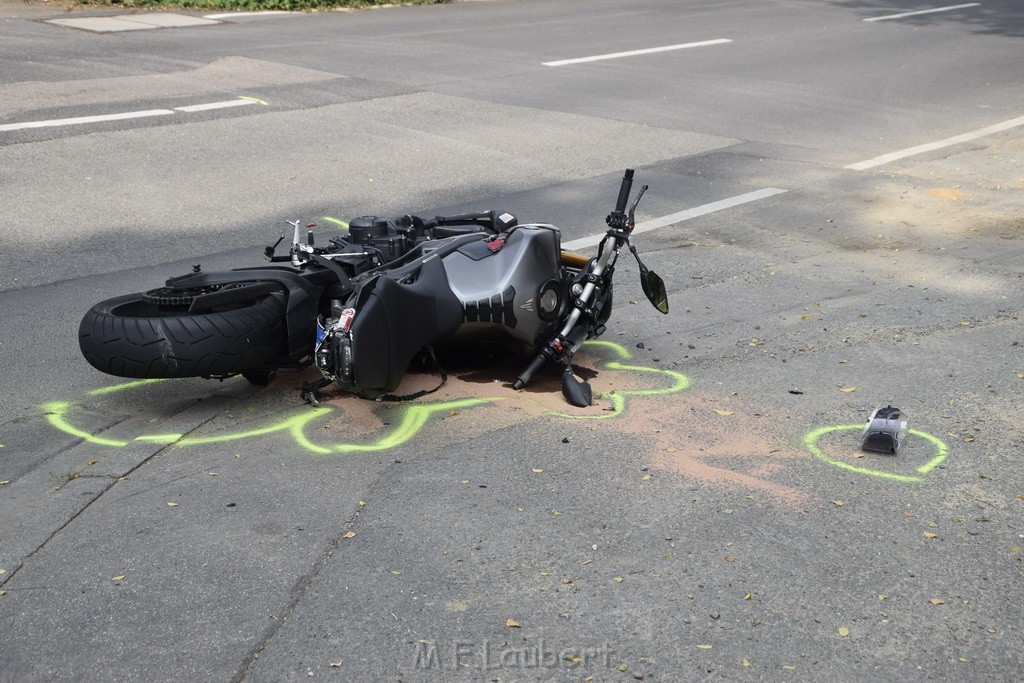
130	337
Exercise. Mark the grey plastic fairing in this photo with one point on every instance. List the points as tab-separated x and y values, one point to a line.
394	321
501	288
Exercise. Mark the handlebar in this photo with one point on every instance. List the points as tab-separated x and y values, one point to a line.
491	221
526	374
624	189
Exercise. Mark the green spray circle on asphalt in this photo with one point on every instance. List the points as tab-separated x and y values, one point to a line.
941	452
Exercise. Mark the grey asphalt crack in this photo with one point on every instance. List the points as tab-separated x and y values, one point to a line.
57	507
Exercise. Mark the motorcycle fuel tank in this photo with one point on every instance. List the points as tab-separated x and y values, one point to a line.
512	281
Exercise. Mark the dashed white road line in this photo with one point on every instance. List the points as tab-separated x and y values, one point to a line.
100	118
86	119
680	216
233	15
923	11
634	53
939	144
216	105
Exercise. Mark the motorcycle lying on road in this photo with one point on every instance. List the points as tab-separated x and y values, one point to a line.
364	305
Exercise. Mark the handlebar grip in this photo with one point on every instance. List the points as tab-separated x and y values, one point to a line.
526	374
624	189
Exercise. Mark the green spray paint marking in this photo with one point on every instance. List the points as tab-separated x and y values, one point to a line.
941	451
618	397
336	221
413	416
412	420
55	416
120	387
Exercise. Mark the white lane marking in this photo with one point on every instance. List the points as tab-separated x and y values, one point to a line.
240	102
216	105
680	216
633	53
86	119
931	146
232	15
923	11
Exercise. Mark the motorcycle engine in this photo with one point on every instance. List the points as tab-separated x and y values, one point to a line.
333	351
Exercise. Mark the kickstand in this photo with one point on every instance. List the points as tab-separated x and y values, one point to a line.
309	390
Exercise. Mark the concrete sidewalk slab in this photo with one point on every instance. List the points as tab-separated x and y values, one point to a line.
132	22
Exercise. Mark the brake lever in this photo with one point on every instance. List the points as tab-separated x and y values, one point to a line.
631	218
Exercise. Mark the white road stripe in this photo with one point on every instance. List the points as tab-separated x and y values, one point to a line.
232	15
633	53
86	119
680	216
216	105
241	102
923	11
931	146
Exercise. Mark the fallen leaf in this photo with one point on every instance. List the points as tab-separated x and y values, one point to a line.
618	579
746	663
843	631
396	572
117	578
725	413
349	534
838	503
787	667
646	477
928	534
705	647
335	665
5	482
969	438
623	666
171	505
882	598
3	592
573	658
937	601
1020	375
465	481
748	596
362	503
730	558
512	623
848	390
537	470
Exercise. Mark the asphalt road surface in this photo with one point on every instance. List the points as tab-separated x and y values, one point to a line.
834	204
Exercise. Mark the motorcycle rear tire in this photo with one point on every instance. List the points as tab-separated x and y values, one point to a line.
130	337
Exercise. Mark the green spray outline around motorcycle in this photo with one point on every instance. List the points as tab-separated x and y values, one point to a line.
413	418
